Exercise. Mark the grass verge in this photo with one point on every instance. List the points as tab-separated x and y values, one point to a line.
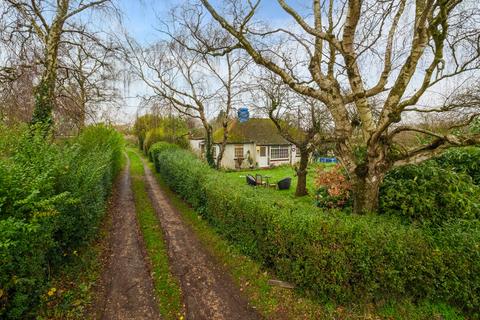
166	285
279	303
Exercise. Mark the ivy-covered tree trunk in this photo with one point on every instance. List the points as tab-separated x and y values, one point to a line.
209	146
82	112
45	90
301	189
44	104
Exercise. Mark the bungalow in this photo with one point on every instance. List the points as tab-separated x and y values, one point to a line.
255	143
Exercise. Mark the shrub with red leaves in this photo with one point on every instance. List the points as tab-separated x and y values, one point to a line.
333	187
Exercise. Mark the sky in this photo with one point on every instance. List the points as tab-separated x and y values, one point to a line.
143	18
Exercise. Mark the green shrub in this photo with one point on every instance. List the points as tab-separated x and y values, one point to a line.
151	129
52	198
23	247
428	193
157	148
466	160
333	255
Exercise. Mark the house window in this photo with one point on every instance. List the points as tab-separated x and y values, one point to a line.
279	153
263	151
239	152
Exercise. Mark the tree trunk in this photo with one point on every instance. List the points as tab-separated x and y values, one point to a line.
82	105
366	182
223	144
302	174
220	155
209	146
45	90
44	102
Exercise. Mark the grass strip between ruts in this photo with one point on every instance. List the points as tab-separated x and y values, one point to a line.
166	285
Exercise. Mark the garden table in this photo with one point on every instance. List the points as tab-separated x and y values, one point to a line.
267	181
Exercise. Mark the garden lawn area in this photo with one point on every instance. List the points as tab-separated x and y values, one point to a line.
278	173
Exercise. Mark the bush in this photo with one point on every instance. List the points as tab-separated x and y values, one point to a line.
150	129
333	188
52	198
23	264
157	135
466	160
157	148
429	194
334	256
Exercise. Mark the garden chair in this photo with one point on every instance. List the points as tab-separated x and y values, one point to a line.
251	180
284	184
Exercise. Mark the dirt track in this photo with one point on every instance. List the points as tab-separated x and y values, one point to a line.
126	288
209	292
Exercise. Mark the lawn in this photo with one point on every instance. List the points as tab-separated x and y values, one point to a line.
277	173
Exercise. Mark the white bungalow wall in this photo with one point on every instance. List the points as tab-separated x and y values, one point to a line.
195	145
228	160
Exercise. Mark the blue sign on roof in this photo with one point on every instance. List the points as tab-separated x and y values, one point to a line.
243	114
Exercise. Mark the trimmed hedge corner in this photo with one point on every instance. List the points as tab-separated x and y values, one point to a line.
335	256
157	148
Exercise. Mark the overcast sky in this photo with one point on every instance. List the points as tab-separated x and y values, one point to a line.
143	18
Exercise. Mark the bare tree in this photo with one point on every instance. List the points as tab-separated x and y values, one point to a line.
349	53
48	22
16	96
87	71
195	84
230	89
301	120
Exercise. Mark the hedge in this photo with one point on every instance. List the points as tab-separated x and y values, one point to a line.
157	148
333	255
464	160
52	199
430	194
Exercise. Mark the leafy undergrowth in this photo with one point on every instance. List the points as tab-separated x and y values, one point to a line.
280	303
71	293
166	285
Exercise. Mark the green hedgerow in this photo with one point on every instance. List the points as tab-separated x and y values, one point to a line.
465	160
52	198
334	255
157	148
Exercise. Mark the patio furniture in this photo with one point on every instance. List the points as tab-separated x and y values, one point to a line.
251	181
267	183
259	180
284	184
